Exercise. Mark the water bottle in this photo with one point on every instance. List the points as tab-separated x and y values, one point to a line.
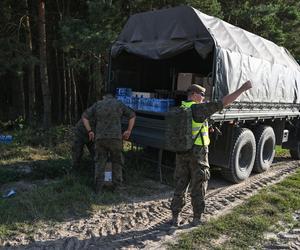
164	104
123	91
128	101
118	92
6	139
134	102
155	105
9	193
128	91
146	104
108	172
171	103
150	104
141	103
108	177
121	98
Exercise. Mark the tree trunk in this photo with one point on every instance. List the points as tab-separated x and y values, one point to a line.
43	66
98	81
30	70
65	88
22	97
69	94
75	99
89	96
18	99
58	77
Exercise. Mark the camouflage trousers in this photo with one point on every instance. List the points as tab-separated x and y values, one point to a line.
192	170
108	150
78	144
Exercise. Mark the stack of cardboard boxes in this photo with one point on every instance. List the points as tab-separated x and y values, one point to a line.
185	80
143	94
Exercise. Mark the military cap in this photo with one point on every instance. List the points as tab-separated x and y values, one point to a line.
196	88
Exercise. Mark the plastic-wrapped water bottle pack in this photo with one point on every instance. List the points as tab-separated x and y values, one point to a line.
123	92
143	103
6	139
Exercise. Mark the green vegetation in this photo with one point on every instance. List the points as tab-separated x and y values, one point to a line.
46	154
38	166
281	152
68	197
79	35
244	227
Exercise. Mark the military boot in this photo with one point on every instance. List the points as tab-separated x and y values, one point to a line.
175	220
196	221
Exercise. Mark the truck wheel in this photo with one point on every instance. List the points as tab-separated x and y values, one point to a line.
265	148
295	153
242	156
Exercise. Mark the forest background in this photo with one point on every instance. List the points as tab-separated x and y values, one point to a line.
54	53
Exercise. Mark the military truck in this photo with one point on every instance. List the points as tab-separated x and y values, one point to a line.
155	47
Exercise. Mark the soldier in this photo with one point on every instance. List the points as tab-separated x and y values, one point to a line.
81	139
192	167
108	136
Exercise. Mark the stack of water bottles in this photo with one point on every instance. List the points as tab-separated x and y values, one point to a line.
143	103
6	139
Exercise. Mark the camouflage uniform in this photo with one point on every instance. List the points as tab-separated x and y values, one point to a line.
80	140
192	168
108	114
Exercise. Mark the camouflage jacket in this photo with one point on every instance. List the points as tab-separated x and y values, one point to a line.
202	111
108	115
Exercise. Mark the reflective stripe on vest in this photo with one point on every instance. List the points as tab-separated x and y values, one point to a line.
196	127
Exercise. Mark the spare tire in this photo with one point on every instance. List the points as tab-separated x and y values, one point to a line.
242	156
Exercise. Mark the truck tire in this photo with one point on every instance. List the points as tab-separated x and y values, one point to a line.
242	156
295	153
265	148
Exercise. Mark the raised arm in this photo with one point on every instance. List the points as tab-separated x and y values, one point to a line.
228	99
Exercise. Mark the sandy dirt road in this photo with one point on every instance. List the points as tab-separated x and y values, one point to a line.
143	223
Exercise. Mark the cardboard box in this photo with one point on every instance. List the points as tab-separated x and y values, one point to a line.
144	94
185	80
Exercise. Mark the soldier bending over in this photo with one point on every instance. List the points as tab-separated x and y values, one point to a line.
81	139
108	136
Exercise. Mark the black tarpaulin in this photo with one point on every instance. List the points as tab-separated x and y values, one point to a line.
239	55
164	33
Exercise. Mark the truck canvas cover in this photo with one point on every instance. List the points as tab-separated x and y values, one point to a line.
238	55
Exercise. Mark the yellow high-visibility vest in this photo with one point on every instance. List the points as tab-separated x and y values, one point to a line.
203	137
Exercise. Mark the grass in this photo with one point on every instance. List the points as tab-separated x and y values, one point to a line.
245	226
50	192
53	194
60	200
281	152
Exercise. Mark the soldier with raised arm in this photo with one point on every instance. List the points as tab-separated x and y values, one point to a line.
192	167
